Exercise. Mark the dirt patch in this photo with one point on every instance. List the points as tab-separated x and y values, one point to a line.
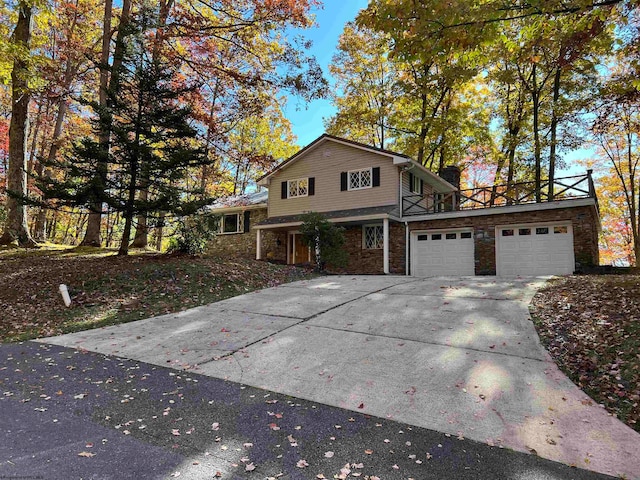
107	289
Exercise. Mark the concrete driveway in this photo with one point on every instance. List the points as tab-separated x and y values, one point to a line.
456	355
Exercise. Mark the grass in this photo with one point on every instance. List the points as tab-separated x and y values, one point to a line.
108	290
590	324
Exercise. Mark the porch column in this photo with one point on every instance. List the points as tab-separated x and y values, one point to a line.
385	248
258	244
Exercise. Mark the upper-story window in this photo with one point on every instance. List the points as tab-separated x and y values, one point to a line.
359	179
415	184
298	188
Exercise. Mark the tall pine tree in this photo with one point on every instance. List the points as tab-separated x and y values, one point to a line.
153	144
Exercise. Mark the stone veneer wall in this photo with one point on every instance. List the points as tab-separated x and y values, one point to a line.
243	244
583	220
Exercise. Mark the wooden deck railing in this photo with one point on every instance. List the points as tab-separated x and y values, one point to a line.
566	188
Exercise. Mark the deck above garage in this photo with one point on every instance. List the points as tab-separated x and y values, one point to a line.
510	194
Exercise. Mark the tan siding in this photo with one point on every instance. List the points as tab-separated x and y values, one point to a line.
426	202
325	162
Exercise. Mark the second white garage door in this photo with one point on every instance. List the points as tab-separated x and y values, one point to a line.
534	250
440	253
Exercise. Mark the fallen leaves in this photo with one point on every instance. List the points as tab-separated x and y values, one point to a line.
86	454
590	326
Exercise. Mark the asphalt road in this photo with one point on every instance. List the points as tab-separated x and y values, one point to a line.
73	414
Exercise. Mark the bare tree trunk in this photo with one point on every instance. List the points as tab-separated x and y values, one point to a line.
141	239
554	132
159	231
92	235
16	227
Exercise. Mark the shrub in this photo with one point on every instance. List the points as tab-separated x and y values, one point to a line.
325	239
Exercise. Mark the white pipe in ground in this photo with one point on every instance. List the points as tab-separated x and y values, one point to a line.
65	294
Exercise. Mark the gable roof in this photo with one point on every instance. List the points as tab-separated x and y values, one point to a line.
398	159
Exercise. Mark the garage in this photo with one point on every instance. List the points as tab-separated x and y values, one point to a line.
545	249
442	252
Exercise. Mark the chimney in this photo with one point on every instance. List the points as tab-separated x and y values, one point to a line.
452	175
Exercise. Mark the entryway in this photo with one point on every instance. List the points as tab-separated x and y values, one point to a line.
297	251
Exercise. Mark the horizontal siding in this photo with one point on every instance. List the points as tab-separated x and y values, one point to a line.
325	163
427	200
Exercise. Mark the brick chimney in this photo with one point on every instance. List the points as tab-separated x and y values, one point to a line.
452	175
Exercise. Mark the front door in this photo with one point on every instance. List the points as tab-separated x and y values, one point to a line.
298	251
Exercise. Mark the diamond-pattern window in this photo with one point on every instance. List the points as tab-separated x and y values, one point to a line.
373	236
298	188
360	179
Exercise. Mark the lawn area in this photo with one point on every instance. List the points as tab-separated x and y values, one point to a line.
590	324
107	289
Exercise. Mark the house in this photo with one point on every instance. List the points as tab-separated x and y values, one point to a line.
401	218
237	215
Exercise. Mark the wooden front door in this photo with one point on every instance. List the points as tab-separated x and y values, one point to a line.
298	251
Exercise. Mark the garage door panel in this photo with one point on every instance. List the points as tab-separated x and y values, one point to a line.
442	253
535	250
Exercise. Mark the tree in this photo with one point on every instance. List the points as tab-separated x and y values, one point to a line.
617	132
150	130
366	82
326	240
16	228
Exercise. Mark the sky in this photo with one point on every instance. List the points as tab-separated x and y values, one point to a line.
306	118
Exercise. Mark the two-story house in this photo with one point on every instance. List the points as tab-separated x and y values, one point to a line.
401	218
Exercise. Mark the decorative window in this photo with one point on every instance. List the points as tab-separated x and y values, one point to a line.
507	233
451	236
359	179
465	235
436	236
416	184
373	236
422	238
542	230
298	188
524	231
560	230
231	223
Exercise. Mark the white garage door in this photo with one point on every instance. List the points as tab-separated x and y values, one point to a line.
438	253
534	250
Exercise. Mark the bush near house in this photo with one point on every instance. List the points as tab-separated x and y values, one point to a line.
590	324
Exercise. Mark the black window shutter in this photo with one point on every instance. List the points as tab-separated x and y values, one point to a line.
343	181
376	176
411	182
283	190
312	186
247	226
421	187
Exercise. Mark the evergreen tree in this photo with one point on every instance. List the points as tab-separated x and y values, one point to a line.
152	142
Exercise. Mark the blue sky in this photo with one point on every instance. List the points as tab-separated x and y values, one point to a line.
306	119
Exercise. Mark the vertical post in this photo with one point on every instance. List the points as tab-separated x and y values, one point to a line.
258	244
406	248
400	199
592	188
385	248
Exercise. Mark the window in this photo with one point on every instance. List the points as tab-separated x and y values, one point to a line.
436	236
451	236
422	238
507	233
416	184
524	231
465	235
542	230
560	229
298	188
230	223
373	236
359	179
